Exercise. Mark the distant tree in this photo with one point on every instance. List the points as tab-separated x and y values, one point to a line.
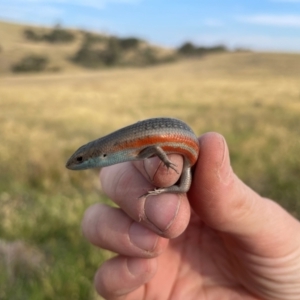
129	43
242	49
217	48
189	49
150	56
31	63
56	35
112	54
87	57
91	38
59	35
103	51
32	35
91	57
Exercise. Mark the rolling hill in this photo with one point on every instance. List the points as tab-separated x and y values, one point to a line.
86	49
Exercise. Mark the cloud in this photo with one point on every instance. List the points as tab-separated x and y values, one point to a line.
272	20
213	23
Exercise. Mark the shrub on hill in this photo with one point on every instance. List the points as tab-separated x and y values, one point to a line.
92	57
150	56
128	43
56	35
112	54
31	63
87	57
102	51
189	49
32	35
91	38
59	35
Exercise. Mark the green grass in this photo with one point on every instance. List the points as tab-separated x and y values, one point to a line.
252	99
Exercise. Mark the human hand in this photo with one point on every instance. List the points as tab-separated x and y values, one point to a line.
234	244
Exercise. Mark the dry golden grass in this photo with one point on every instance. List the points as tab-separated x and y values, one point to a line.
252	99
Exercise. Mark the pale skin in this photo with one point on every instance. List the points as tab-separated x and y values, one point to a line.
221	241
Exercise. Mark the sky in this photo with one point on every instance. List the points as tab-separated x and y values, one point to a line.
264	25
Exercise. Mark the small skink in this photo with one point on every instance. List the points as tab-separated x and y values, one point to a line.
144	139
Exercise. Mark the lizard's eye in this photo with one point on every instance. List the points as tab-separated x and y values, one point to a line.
79	159
104	155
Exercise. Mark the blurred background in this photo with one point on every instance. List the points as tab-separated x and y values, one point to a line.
72	71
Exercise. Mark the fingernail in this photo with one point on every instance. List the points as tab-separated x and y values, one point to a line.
137	266
225	170
142	237
168	209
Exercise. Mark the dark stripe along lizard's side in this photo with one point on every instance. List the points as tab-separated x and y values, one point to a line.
144	139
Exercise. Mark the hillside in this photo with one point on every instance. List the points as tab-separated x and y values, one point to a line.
92	50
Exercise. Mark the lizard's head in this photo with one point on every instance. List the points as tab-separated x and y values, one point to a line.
86	158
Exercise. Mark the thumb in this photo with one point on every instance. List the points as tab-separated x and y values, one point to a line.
226	204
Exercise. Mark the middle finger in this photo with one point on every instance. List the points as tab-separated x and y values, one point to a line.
110	228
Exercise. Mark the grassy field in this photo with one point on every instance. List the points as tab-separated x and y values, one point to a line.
252	99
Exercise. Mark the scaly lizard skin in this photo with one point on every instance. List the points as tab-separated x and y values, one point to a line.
144	139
